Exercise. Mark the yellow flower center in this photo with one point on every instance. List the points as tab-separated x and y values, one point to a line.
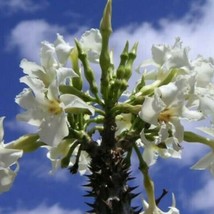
54	107
165	115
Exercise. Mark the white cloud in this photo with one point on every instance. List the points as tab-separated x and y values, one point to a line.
12	6
44	209
196	32
202	200
27	36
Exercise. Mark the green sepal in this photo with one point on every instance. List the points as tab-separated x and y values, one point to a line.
131	57
27	143
88	72
78	111
117	88
105	24
149	89
195	138
76	81
124	72
66	160
127	108
140	84
66	89
123	58
173	72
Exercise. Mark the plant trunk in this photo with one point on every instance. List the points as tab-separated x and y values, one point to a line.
108	183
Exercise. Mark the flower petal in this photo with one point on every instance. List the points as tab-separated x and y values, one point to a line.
53	129
7	177
62	49
91	42
72	101
151	108
9	157
204	162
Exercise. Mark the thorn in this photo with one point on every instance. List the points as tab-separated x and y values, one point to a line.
134	208
157	201
87	185
90	205
89	176
89	194
134	195
91	211
130	178
132	188
129	173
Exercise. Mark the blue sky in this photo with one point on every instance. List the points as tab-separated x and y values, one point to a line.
25	23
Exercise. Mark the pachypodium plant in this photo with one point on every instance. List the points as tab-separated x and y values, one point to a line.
94	126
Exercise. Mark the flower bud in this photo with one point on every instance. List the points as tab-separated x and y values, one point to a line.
76	81
89	74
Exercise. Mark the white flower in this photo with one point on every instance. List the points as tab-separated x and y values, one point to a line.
164	111
56	154
204	70
84	161
165	58
53	58
171	57
156	210
8	158
91	42
123	122
167	106
155	148
49	112
207	162
62	49
205	97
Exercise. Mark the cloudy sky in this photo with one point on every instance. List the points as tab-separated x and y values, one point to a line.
25	23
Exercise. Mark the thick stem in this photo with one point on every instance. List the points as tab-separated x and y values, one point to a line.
108	183
108	134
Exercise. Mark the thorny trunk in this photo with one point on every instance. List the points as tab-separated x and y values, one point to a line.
109	176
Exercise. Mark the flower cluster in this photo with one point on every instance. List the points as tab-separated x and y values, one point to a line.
181	90
46	107
94	128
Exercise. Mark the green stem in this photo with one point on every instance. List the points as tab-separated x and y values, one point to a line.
98	119
191	137
148	183
66	89
127	108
